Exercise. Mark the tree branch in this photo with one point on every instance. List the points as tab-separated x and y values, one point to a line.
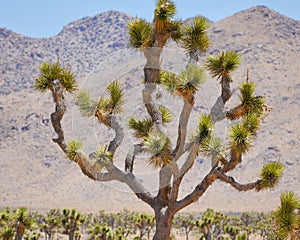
56	117
119	134
133	151
198	191
178	175
236	185
182	127
218	112
92	169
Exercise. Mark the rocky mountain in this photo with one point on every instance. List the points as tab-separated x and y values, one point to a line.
36	174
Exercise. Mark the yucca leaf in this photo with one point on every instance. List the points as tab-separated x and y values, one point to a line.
141	128
68	80
175	30
116	97
271	174
165	113
252	103
223	64
169	80
86	105
103	105
190	79
287	216
165	10
103	156
73	146
159	146
140	32
251	123
49	72
204	129
194	38
240	138
213	147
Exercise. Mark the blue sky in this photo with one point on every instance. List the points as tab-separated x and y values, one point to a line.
44	18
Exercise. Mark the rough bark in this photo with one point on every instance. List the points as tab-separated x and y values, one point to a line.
20	231
163	217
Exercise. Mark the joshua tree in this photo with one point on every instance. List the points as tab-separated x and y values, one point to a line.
287	216
164	152
23	220
71	222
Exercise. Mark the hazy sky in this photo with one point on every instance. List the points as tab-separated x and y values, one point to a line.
44	18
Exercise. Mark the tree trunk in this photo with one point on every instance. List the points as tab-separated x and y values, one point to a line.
20	231
163	224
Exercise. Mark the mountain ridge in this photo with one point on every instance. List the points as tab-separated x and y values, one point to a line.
36	173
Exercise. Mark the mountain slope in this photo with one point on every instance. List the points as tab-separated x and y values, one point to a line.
36	173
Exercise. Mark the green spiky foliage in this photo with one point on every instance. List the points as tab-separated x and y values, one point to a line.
49	72
140	32
240	138
194	39
223	64
271	174
159	146
204	129
287	216
186	83
23	220
250	102
251	122
116	97
73	146
86	105
190	80
165	10
213	147
163	14
165	114
142	127
7	233
106	105
169	80
103	156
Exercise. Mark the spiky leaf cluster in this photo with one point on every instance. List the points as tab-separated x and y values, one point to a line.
194	39
251	122
111	104
103	156
116	100
271	174
142	127
240	138
250	102
190	79
223	64
213	147
49	72
86	105
165	114
159	146
204	130
287	216
165	10
73	146
186	83
140	33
